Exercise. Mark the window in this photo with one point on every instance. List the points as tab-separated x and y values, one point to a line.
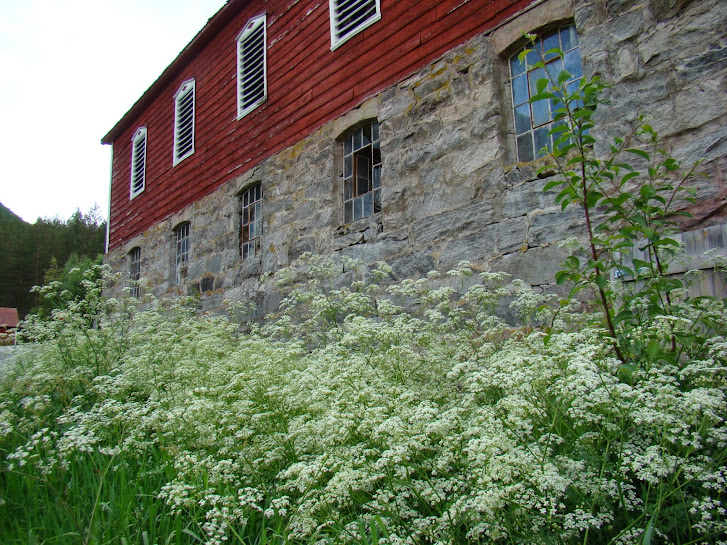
251	224
361	173
533	121
134	271
251	66
181	238
184	121
138	162
349	17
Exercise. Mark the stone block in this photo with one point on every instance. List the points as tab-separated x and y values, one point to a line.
520	264
621	6
663	10
709	144
626	26
552	227
449	223
523	172
371	252
444	142
637	97
300	246
698	105
626	64
474	157
196	267
249	268
207	283
412	265
483	245
702	66
527	197
213	264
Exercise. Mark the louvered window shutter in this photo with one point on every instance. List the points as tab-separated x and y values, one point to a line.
251	66
348	17
184	121
138	162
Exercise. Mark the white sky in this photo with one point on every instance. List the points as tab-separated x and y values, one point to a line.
69	70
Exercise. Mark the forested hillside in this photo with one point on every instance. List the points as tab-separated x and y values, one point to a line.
28	250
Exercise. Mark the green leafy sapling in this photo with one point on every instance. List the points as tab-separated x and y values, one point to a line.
630	199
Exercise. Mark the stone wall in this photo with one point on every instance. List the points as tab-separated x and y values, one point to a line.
451	189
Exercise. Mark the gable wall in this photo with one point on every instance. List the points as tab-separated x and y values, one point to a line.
308	85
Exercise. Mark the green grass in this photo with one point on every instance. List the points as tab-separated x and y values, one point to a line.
97	499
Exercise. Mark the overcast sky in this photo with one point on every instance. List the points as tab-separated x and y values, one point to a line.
69	70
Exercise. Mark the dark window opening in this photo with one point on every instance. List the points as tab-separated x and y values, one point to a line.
181	238
362	173
134	271
251	224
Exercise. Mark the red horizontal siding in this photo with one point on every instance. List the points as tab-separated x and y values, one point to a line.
308	85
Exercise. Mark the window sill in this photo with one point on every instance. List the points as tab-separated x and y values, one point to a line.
252	266
358	232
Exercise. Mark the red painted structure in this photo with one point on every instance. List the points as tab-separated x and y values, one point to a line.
8	319
308	85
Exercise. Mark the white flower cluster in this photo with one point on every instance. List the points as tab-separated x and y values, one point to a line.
413	410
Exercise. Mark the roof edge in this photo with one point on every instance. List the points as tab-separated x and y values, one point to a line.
201	39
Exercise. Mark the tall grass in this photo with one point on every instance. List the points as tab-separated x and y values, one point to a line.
359	414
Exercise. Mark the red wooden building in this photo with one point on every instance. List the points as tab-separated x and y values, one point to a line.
390	130
8	320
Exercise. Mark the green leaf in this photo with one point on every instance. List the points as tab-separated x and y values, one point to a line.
582	113
668	242
641	153
640	264
551	185
541	95
671	164
593	197
523	54
564	77
671	283
646	539
625	372
646	191
566	195
653	348
572	262
561	277
629	176
623	316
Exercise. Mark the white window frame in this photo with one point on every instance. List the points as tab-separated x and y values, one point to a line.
186	89
138	163
335	9
250	28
